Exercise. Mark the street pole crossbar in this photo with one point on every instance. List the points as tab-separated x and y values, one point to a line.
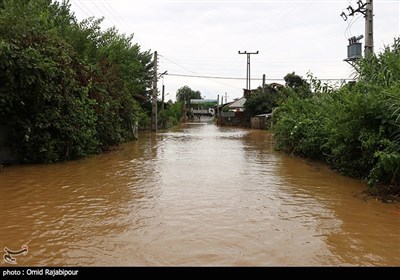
248	67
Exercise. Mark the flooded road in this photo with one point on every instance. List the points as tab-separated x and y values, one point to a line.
192	196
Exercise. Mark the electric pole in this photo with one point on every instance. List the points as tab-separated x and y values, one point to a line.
367	10
163	88
162	97
369	28
248	67
218	110
154	96
263	83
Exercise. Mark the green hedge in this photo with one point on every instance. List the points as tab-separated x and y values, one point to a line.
354	129
68	89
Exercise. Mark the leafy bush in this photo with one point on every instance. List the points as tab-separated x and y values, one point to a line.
68	89
48	110
262	101
299	127
171	115
355	129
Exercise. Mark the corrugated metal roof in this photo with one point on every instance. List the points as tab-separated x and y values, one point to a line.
238	103
265	115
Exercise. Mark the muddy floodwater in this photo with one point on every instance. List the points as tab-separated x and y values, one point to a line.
194	195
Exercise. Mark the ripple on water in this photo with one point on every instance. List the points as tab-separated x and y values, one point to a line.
194	195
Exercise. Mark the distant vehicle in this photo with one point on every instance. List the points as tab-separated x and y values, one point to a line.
203	112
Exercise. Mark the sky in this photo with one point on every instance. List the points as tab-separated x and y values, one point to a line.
198	40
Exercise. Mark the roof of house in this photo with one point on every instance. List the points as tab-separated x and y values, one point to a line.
264	115
237	103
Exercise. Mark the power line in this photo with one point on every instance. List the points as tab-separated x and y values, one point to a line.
128	26
254	79
80	8
210	1
197	74
208	77
112	16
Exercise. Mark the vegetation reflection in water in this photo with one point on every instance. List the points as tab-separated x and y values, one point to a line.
195	195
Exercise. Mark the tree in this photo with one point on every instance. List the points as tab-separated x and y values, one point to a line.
186	93
261	102
354	129
296	84
68	89
294	81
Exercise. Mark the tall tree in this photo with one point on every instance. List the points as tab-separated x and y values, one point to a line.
67	88
294	81
186	93
262	101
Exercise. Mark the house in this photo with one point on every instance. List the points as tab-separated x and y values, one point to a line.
237	105
232	113
262	121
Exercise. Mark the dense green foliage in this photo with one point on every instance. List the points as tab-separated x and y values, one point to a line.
171	115
262	101
68	89
354	128
185	93
296	82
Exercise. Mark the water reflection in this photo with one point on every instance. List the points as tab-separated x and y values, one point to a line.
194	195
356	231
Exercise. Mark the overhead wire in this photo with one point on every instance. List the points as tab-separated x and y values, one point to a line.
112	17
350	23
277	16
293	10
102	12
115	18
253	79
199	75
129	27
80	8
347	32
354	21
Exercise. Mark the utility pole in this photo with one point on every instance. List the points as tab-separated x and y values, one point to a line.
226	97
248	67
184	110
154	96
367	10
163	88
162	97
218	109
369	29
263	83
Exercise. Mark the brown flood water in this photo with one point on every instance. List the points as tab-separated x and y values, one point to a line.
195	195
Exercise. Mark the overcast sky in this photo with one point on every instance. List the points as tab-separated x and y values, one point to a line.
202	38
